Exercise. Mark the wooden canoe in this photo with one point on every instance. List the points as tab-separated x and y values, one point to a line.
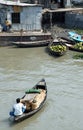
76	37
71	47
30	97
31	43
54	52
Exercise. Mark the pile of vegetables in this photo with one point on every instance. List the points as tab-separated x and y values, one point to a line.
79	46
58	48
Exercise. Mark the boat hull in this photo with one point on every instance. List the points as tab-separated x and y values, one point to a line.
40	85
76	37
56	53
31	44
71	47
26	39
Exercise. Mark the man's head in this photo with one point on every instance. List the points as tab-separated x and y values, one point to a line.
18	100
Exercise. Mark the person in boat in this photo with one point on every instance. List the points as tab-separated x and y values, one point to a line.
18	108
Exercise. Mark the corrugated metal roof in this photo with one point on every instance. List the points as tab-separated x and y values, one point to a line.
18	3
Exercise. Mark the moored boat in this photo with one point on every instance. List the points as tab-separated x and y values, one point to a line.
25	39
57	48
77	47
31	43
76	37
34	100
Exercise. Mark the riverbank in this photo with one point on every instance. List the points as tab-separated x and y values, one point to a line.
7	38
60	30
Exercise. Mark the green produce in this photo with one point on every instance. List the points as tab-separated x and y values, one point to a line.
58	48
79	46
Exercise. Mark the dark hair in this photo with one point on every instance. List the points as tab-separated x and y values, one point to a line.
18	100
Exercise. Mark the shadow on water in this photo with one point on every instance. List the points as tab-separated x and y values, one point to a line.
7	122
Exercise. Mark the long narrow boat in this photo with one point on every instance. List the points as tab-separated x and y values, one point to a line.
76	37
57	48
67	40
75	46
72	47
34	100
26	44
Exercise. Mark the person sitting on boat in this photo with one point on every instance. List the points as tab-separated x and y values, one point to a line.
18	108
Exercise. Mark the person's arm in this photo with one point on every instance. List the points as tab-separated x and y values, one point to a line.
23	108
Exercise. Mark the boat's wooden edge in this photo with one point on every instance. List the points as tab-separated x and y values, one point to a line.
26	115
31	42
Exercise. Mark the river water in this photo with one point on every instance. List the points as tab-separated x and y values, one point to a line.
22	68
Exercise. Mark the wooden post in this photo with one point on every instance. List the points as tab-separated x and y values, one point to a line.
68	3
21	32
51	20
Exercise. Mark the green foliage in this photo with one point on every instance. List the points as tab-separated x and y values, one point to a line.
78	56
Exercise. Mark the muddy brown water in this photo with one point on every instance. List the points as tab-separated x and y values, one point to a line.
22	68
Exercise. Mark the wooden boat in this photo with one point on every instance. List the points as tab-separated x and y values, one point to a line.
32	43
75	46
34	100
67	40
25	38
71	47
61	50
76	37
